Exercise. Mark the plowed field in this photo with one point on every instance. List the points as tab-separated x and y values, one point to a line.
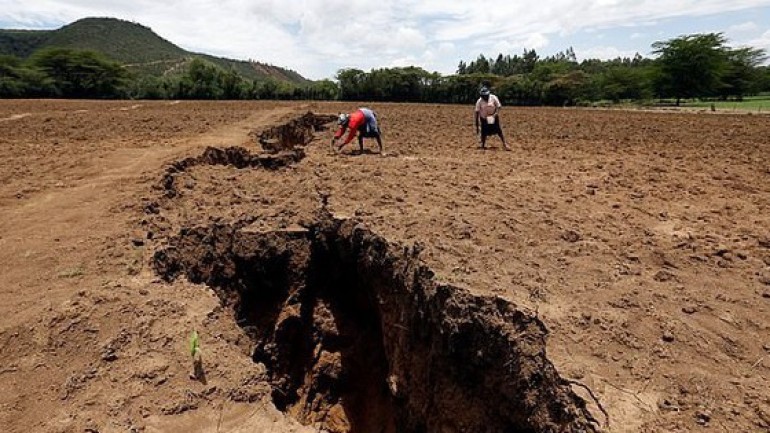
610	273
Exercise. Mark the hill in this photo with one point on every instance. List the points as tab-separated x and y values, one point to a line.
134	45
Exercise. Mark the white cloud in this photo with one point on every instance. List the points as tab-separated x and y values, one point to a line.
604	53
747	27
750	35
515	45
317	37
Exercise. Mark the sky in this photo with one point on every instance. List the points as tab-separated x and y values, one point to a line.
318	37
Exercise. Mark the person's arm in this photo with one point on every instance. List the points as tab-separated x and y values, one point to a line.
338	134
497	104
356	121
476	116
351	135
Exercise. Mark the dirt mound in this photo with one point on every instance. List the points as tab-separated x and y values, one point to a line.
296	132
357	336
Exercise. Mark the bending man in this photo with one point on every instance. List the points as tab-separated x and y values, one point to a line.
363	122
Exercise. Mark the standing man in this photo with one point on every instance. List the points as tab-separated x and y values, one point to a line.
362	121
487	115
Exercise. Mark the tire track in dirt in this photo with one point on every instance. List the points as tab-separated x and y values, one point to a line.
15	117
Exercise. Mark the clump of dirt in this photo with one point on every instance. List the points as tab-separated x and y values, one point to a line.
235	156
297	132
357	336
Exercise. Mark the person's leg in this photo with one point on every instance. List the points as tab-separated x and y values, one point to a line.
499	132
502	138
379	142
484	132
373	130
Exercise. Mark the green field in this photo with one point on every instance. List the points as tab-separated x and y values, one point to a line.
749	103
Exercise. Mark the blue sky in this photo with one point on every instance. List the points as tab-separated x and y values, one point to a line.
317	37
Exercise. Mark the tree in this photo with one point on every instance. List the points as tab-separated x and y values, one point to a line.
19	81
266	89
323	90
80	74
566	88
231	83
619	82
521	90
764	80
691	66
480	66
528	61
350	83
462	68
202	81
500	65
149	88
743	76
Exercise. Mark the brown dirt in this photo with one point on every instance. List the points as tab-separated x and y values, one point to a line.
640	241
357	336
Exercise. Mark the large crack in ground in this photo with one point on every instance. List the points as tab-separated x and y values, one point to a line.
296	132
355	333
285	144
235	156
357	336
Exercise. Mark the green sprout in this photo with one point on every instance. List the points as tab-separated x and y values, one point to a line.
195	348
197	361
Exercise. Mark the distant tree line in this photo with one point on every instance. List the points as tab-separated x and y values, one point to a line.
67	73
205	80
692	66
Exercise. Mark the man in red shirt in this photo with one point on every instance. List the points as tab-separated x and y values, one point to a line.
362	121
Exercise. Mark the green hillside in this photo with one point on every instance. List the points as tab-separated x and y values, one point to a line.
134	45
21	43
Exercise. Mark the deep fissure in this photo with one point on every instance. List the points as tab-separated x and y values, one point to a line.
299	131
357	336
284	145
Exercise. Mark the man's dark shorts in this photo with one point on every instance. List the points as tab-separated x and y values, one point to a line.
493	129
366	132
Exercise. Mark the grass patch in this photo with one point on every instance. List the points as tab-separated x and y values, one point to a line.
750	103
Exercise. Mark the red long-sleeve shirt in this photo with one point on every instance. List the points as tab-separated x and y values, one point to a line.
355	121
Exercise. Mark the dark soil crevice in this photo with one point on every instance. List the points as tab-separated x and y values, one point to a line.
296	132
235	156
285	144
357	336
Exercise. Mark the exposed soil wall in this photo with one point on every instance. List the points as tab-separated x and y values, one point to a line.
357	336
285	144
296	132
